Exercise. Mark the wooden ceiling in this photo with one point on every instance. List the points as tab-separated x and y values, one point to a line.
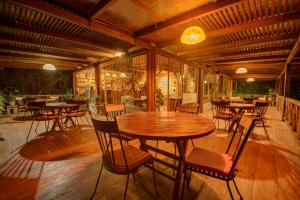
256	34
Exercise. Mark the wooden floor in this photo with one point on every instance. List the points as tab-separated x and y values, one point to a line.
66	165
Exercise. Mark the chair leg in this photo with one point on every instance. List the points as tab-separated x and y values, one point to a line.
88	121
228	186
37	127
192	142
156	147
126	186
174	161
98	179
29	131
265	129
241	197
154	180
183	185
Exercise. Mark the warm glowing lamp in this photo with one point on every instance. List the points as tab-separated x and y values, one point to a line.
119	54
192	35
49	67
250	80
241	70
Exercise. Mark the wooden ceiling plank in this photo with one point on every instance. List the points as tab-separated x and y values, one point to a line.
248	10
253	8
237	14
100	8
242	11
148	10
44	7
188	16
259	9
16	64
272	8
229	11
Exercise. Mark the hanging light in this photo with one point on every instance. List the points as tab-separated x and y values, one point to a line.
119	54
122	75
250	80
49	67
241	70
114	75
107	74
192	35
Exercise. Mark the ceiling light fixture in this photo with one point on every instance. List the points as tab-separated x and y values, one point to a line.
241	70
119	54
250	80
192	35
122	75
49	67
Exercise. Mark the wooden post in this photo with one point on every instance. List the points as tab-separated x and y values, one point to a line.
220	85
151	85
201	89
286	89
97	80
74	84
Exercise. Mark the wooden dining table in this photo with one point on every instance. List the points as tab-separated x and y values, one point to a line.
237	109
166	126
57	109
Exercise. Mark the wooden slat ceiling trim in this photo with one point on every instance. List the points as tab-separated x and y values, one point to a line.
185	17
251	26
270	76
90	26
34	65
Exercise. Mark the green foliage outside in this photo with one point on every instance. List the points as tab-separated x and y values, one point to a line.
35	82
295	89
251	88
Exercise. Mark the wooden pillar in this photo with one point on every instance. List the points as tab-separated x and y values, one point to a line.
151	83
74	84
97	80
286	88
220	91
201	89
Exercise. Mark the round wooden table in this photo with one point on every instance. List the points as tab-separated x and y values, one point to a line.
237	109
57	109
170	126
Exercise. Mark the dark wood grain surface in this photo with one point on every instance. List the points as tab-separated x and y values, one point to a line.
165	125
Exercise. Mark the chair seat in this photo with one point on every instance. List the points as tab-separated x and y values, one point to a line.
135	158
223	116
122	137
76	114
210	161
44	117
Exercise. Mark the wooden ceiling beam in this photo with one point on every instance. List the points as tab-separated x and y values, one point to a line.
240	27
282	49
105	52
46	54
294	51
188	16
84	52
281	57
49	9
286	36
16	64
39	59
255	76
100	8
148	10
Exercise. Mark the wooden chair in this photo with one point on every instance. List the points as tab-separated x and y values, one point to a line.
258	114
188	108
111	112
117	158
217	165
40	114
220	110
79	112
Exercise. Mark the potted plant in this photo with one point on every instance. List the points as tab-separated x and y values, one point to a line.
272	95
2	103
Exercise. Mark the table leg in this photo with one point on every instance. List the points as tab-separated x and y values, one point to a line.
181	145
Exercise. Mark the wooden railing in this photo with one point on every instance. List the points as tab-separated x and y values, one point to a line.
291	112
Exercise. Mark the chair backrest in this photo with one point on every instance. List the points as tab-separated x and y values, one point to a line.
243	130
261	108
104	131
112	111
36	107
187	108
219	107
